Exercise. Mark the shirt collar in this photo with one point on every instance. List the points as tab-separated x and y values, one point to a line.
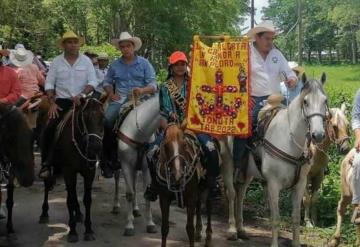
76	62
136	60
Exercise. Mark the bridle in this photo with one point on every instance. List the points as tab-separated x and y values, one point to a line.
83	130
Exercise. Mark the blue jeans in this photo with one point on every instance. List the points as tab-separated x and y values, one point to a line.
112	112
239	147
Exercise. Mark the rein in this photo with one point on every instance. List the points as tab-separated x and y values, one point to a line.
83	133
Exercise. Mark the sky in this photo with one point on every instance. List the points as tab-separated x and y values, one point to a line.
259	4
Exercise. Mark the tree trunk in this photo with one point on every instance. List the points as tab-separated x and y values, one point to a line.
309	56
319	57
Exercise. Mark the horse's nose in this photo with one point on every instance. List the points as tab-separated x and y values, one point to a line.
318	136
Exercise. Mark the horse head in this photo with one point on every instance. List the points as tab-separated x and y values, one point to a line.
16	142
338	129
90	117
174	157
314	107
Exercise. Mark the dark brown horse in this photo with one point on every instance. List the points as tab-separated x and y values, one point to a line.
78	148
16	154
180	173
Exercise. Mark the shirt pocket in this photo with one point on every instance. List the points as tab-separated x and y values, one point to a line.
62	74
81	74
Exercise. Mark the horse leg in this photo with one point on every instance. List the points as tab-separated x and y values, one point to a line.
190	229
44	217
116	206
165	208
10	204
341	210
150	225
198	222
227	171
88	181
70	183
307	205
296	210
313	209
273	192
241	192
79	216
208	227
136	210
129	175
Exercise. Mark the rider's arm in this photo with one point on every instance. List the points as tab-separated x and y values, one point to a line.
284	68
150	79
166	108
91	78
51	95
108	82
15	89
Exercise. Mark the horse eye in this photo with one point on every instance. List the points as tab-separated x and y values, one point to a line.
305	102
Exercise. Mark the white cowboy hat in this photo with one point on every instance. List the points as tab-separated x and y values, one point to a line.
125	36
295	66
21	57
103	56
265	26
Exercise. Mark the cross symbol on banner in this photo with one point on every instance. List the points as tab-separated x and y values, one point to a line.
218	108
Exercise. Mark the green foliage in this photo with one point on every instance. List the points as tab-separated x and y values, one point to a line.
105	47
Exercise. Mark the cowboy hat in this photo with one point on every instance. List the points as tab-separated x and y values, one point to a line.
265	26
21	57
125	36
103	56
69	35
295	66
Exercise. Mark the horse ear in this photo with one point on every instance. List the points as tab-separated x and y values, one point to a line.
323	78
304	80
343	108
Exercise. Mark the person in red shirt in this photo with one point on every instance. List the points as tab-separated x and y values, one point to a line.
10	89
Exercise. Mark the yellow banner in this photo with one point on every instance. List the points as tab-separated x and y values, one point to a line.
218	100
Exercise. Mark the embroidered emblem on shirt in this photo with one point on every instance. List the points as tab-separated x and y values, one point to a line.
274	59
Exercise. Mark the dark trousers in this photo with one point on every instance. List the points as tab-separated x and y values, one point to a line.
48	135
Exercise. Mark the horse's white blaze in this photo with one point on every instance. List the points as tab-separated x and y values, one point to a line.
177	161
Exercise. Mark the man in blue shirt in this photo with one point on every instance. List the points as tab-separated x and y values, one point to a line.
130	74
290	93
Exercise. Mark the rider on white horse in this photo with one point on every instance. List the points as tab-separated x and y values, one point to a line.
172	109
128	74
267	66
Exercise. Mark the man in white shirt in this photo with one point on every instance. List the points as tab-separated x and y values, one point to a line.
268	68
70	77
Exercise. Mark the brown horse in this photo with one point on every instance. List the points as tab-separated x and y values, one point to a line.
338	133
180	172
78	148
16	154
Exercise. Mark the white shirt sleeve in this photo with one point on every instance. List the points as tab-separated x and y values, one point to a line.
92	80
284	67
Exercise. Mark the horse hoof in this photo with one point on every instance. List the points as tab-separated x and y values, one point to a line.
198	237
72	238
242	235
44	219
232	236
136	213
151	229
115	210
11	236
129	232
80	218
89	236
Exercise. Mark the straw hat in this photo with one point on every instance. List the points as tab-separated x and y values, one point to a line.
296	67
265	26
103	56
21	57
125	36
70	35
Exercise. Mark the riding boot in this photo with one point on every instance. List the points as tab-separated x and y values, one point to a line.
152	191
107	150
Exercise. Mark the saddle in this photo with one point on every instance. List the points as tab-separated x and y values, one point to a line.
267	114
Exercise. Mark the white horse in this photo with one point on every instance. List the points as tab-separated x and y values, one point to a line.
287	134
137	129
